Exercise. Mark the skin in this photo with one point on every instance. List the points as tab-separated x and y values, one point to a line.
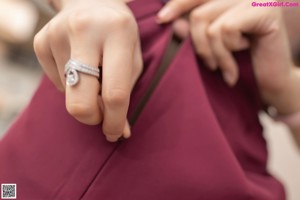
291	18
215	30
113	44
218	28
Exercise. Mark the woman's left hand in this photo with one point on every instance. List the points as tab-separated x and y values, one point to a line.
219	27
202	14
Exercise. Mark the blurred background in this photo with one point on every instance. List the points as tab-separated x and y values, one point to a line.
20	74
19	68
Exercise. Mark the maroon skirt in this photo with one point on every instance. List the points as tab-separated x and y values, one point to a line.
196	138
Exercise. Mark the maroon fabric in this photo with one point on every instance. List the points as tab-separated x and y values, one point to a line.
195	139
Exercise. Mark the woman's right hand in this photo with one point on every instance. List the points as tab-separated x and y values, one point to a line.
97	33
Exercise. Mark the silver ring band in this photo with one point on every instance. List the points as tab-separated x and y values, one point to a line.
73	67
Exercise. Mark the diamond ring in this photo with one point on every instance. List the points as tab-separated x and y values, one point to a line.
73	67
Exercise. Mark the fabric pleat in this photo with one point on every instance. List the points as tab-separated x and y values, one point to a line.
196	138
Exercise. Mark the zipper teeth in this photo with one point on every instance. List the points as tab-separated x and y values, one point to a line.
166	60
170	51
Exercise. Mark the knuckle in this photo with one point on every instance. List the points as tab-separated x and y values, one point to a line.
79	21
228	27
123	21
197	16
116	97
213	32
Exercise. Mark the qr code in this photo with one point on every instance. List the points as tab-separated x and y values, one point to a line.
9	191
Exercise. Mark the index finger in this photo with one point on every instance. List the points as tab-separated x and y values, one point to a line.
175	8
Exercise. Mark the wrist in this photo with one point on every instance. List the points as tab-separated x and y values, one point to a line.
286	97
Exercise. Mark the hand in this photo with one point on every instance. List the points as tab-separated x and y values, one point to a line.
202	14
219	27
176	11
97	33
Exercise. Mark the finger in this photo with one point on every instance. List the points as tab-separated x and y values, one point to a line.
233	39
44	55
253	21
117	83
224	57
137	70
82	100
137	64
181	28
226	35
127	132
60	46
200	19
259	23
176	8
202	44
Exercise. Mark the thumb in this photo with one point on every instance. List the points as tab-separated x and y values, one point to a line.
176	8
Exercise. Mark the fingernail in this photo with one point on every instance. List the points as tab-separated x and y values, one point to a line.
164	15
229	78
